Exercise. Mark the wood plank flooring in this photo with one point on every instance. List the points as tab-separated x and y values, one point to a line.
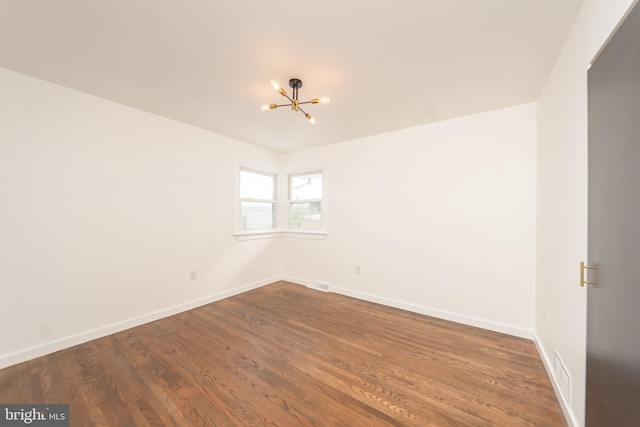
284	355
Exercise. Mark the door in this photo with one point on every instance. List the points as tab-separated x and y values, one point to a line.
613	302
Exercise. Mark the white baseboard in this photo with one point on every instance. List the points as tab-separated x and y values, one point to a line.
83	337
415	308
564	405
66	342
70	341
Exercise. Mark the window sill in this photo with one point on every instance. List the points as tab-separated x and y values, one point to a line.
305	234
270	234
256	234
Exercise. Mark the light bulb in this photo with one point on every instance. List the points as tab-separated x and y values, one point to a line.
265	107
323	100
277	87
311	119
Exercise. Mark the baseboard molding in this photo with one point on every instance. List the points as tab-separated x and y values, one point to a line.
548	366
66	342
415	308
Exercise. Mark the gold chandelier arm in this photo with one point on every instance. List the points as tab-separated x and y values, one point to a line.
308	116
316	101
273	106
287	96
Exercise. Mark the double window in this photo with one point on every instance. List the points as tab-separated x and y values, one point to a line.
259	205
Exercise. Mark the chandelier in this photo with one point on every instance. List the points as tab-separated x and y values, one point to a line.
294	103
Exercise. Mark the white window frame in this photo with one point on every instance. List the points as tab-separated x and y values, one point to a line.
290	202
274	201
281	185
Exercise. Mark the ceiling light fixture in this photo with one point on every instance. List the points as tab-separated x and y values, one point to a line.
294	104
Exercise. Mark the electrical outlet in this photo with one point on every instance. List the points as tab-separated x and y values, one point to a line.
357	269
194	275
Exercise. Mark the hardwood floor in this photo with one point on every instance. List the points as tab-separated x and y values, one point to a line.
284	355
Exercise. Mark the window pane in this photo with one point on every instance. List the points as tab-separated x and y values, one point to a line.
306	187
257	215
305	214
256	186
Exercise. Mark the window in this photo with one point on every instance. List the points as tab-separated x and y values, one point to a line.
257	200
305	200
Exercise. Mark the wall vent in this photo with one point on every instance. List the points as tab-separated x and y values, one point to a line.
563	379
318	286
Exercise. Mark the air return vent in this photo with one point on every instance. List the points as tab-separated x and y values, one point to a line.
318	286
562	378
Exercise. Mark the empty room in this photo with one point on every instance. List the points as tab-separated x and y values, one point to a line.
326	213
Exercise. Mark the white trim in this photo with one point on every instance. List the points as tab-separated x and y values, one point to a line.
305	234
273	200
237	200
613	33
256	234
548	366
270	234
428	311
281	228
83	337
322	201
300	171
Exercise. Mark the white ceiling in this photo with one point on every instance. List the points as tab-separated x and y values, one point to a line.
386	65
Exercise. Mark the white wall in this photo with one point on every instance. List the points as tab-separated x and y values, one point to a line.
105	212
562	197
440	218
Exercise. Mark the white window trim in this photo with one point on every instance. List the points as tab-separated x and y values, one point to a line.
238	231
305	232
256	234
297	234
282	207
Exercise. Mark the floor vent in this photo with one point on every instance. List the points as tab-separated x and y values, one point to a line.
318	286
563	378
